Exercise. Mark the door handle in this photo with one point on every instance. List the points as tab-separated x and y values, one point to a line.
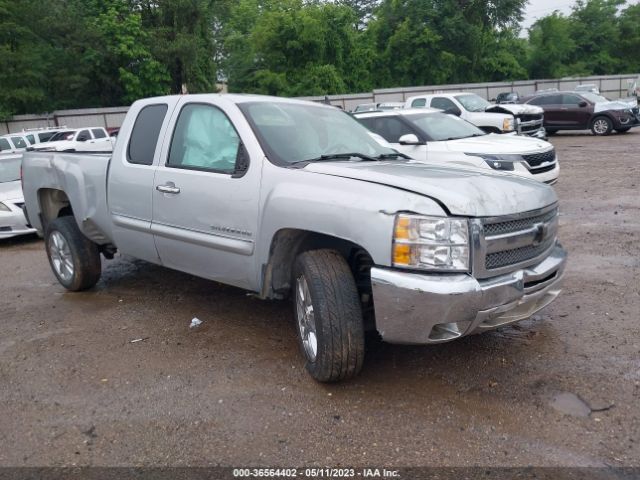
168	188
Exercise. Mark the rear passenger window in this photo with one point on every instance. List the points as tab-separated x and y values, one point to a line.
98	133
204	139
144	137
4	144
19	142
419	102
31	139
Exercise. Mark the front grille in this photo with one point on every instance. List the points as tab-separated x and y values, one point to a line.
548	168
535	159
530	118
518	255
499	228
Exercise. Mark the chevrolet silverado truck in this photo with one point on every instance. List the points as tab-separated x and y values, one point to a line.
287	198
502	118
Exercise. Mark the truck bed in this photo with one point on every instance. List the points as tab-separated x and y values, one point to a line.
83	179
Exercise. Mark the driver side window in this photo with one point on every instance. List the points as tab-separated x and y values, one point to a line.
204	139
443	104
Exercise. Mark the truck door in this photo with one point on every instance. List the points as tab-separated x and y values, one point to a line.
130	177
206	194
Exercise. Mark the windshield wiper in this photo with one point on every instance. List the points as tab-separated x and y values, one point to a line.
337	156
386	156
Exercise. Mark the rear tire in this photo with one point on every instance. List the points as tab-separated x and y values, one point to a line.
328	316
74	259
601	126
551	132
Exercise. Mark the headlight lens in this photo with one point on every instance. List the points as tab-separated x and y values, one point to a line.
507	124
499	162
4	208
431	243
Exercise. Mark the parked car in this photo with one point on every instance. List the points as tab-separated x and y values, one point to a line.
582	111
487	116
40	135
433	136
91	139
372	107
12	143
12	219
634	88
307	205
507	97
587	87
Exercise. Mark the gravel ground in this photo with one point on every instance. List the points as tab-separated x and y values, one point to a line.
561	389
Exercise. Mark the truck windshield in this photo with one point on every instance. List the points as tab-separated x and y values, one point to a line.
293	132
472	102
10	170
441	126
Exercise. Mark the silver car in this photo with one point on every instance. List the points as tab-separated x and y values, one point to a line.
12	220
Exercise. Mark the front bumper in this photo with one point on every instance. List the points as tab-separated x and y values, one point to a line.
14	223
421	308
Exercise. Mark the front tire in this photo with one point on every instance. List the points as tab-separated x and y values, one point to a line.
74	259
328	316
601	126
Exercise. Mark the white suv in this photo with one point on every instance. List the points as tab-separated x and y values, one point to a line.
92	139
13	143
503	118
433	136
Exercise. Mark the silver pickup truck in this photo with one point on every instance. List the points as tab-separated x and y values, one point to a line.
287	198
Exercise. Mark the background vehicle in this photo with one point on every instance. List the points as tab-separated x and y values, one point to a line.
587	87
372	107
91	139
434	136
507	97
582	111
490	118
40	135
290	198
12	220
13	143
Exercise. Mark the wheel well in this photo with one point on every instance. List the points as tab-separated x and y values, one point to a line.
53	204
287	244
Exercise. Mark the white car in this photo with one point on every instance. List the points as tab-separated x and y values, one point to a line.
12	220
12	143
91	139
433	136
503	118
40	135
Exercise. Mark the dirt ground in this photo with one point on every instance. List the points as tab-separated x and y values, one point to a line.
562	389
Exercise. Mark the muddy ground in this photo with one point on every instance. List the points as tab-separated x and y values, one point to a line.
561	389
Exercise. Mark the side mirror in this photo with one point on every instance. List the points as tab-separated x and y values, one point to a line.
582	104
410	139
453	111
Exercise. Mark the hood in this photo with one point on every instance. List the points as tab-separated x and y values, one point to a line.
462	191
498	144
613	105
516	109
11	191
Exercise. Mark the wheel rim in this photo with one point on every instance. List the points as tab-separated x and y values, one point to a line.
306	319
601	126
61	258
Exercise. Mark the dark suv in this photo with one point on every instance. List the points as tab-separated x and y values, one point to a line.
582	111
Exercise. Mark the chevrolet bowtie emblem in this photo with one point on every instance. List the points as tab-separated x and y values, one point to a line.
541	230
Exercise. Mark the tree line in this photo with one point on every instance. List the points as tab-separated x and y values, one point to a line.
90	53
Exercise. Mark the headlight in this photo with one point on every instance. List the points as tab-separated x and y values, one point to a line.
504	163
507	124
4	208
431	243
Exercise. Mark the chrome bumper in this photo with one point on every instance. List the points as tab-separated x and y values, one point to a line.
415	308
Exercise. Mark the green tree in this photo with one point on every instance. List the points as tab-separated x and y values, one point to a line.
551	47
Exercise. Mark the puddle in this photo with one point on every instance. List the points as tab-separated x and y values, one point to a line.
570	404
